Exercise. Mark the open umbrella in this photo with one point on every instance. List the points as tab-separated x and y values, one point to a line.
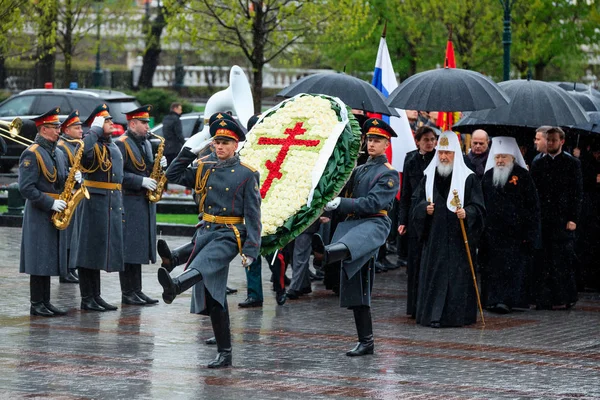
578	87
448	89
355	92
532	104
588	101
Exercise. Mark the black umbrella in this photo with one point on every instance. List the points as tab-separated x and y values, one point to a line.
588	102
578	87
355	92
592	127
447	89
533	104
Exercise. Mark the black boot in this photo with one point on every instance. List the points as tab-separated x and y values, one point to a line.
69	278
172	258
49	306
137	285
364	328
219	317
86	286
128	295
335	252
211	341
36	292
96	287
175	286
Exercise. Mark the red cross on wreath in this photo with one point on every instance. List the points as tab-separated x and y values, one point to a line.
274	167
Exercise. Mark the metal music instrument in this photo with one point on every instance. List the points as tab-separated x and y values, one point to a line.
157	173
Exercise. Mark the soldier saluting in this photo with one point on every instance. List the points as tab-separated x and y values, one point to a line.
100	219
230	208
140	213
42	175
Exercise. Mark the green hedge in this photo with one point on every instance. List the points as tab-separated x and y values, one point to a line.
161	100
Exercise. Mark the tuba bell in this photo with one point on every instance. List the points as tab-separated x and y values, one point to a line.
237	98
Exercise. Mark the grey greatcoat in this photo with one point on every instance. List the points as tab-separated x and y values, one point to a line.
100	219
231	191
43	247
139	229
371	191
70	149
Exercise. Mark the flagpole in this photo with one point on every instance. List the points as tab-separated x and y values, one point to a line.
456	201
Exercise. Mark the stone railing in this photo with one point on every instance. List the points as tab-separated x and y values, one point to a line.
218	77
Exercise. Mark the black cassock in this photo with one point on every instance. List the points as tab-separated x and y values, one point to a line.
512	228
560	188
446	292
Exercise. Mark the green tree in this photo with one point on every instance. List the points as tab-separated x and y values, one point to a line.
11	15
260	31
47	22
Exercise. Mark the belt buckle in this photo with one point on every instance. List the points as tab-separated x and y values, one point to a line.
213	219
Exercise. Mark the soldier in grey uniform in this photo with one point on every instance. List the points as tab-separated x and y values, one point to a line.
100	219
370	194
230	208
70	129
139	230
42	175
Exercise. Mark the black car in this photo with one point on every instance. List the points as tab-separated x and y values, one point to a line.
31	103
190	123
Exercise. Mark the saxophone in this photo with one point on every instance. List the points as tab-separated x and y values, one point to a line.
62	219
157	173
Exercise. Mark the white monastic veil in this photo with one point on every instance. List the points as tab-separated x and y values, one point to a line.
505	145
448	142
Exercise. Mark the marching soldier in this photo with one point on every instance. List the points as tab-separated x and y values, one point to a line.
42	175
140	213
100	219
71	129
372	189
230	208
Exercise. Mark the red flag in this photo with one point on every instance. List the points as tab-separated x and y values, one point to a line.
445	119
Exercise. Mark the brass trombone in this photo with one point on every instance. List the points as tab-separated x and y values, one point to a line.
11	130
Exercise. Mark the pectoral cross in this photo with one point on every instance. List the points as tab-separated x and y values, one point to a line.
274	167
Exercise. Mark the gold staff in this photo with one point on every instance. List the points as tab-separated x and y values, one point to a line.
456	202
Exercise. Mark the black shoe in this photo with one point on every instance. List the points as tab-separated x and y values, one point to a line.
104	304
166	257
147	299
401	263
40	310
251	302
317	276
568	306
501	308
132	299
89	304
388	264
54	310
69	278
230	290
541	307
286	280
306	290
379	268
211	341
293	294
361	349
318	246
281	297
223	360
435	324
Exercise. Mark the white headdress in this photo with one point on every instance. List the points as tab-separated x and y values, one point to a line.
448	142
505	145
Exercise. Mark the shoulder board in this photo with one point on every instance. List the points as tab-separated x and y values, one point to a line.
248	166
33	147
123	138
388	165
60	142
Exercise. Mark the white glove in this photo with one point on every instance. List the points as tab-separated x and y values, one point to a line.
249	260
98	121
148	183
78	177
333	204
163	162
59	205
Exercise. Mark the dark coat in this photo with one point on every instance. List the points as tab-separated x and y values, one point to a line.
69	150
371	191
512	228
446	293
43	247
232	190
100	219
139	229
560	188
414	165
173	133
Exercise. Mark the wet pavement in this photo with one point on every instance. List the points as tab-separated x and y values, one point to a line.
295	351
